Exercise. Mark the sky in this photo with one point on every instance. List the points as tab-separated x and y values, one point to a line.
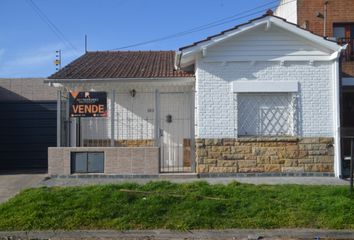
32	30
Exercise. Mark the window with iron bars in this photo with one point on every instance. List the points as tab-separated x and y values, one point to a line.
344	34
266	114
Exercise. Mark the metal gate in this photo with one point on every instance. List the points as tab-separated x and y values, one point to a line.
138	119
63	119
176	132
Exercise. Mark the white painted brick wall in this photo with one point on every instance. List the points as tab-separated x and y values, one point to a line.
217	106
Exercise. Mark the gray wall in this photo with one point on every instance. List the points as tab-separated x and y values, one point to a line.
22	89
118	160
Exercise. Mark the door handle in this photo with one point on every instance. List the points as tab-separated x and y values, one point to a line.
161	132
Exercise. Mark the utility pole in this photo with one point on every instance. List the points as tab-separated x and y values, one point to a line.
325	18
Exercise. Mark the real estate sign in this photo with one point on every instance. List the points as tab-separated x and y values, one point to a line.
88	104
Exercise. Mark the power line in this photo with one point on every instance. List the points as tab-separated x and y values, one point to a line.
209	25
202	27
52	26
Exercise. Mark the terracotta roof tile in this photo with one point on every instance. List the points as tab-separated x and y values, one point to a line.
122	64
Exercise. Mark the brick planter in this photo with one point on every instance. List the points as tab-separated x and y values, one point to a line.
253	155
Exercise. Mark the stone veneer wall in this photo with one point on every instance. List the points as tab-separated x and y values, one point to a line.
252	155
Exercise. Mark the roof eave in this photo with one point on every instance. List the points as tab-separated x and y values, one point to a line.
225	34
120	80
280	22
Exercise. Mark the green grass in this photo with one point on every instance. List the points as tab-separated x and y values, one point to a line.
179	206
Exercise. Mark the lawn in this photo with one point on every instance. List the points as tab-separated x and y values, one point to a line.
165	205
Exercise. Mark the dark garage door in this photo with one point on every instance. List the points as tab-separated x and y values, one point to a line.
27	129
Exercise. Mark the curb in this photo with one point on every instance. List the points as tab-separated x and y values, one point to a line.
192	175
168	234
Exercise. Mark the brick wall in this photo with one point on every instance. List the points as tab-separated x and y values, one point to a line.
119	161
303	13
338	11
348	68
259	155
217	105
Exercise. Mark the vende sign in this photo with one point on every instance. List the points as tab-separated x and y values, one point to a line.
88	104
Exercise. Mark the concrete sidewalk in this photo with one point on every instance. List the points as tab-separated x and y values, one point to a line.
82	181
11	184
201	234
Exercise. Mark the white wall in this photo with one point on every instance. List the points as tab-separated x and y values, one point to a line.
217	105
134	116
287	9
273	44
260	55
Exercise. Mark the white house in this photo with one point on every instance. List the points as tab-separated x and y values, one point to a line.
260	98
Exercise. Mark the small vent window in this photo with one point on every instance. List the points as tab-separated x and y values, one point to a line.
87	162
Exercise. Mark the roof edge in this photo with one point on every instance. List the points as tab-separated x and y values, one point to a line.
268	15
131	80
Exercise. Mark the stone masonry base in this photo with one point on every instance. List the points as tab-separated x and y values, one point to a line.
265	155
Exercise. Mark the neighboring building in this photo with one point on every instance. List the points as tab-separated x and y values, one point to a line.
333	19
260	98
330	18
28	123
